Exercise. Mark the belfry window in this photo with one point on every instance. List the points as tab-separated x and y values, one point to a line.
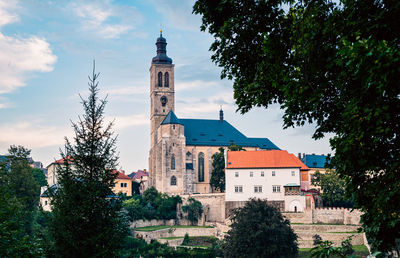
201	167
166	79
173	180
173	162
160	79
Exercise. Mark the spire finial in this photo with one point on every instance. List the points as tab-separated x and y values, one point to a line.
221	114
160	30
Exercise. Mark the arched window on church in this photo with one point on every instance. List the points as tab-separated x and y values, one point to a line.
160	79
173	162
201	167
173	180
166	79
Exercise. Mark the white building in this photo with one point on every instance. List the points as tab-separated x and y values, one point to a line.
273	175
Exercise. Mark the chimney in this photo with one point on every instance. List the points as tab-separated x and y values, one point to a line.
299	155
221	115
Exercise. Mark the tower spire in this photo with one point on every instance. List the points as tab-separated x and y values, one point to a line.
161	57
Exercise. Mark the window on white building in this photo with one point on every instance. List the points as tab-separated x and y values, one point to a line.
293	173
258	189
276	188
238	189
251	173
236	174
273	173
262	173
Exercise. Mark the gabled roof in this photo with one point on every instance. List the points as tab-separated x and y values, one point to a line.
263	159
121	175
60	161
171	119
206	132
140	174
314	161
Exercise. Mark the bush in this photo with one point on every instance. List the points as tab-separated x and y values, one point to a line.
185	239
194	209
153	205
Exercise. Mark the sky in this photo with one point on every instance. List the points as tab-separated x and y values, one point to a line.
47	50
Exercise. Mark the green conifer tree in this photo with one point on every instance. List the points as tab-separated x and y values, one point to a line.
87	216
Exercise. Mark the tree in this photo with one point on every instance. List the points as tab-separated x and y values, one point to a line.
333	189
22	184
14	238
218	171
87	218
194	209
259	230
335	64
218	167
39	177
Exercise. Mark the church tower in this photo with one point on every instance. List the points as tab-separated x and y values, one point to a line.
162	95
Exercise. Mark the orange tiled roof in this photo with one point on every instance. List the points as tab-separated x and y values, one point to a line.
263	159
121	175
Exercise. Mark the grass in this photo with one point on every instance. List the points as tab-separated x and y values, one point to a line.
201	241
359	251
154	228
171	238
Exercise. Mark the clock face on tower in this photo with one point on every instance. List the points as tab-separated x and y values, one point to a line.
164	101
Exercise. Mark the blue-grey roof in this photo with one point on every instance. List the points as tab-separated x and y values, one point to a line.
314	161
171	119
161	57
204	132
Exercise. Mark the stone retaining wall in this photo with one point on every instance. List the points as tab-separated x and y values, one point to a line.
214	205
325	216
175	232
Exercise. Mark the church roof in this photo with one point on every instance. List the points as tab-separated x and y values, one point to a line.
171	119
204	132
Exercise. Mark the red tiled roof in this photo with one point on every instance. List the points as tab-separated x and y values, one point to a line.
263	159
139	174
121	175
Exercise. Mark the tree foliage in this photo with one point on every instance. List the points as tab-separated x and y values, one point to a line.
87	218
259	230
218	167
18	205
153	205
333	189
332	63
193	210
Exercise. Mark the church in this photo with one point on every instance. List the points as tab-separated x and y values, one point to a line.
181	150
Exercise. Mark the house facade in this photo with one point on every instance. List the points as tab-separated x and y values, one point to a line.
123	184
273	175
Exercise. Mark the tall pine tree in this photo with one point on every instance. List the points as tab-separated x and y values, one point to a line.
87	218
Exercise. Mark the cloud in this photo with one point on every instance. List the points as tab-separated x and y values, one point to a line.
178	14
20	56
193	106
32	134
7	7
123	122
105	19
